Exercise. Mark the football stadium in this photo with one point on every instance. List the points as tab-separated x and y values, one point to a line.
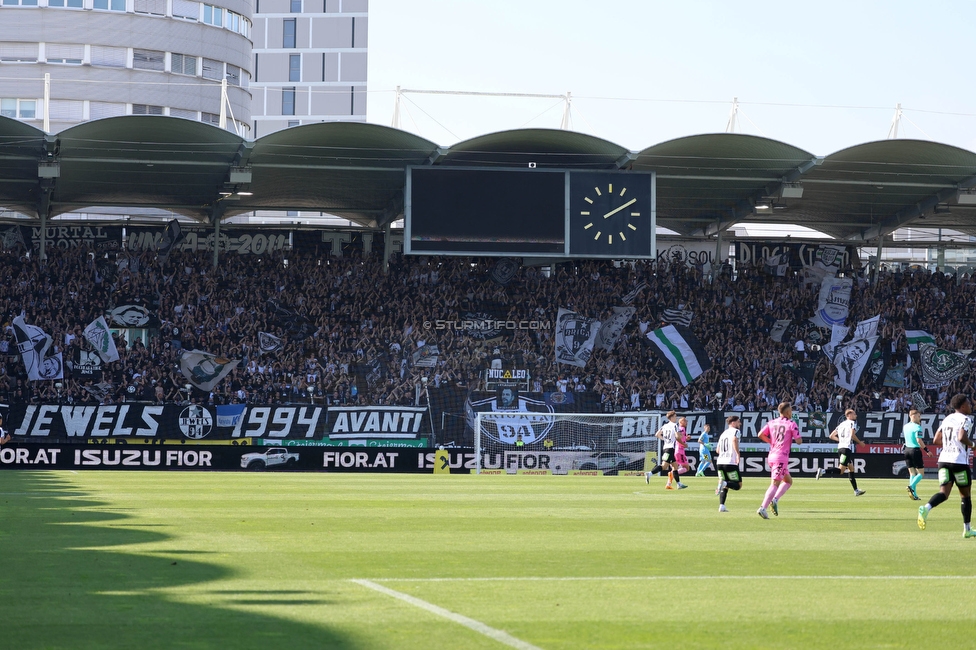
330	384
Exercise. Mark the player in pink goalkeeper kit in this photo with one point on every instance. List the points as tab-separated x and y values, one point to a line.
780	433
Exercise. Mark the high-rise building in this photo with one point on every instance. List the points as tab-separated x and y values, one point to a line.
125	57
309	63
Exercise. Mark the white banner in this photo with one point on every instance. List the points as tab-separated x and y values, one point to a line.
575	338
835	301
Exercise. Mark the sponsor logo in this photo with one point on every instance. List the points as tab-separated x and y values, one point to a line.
359	459
142	458
23	456
375	422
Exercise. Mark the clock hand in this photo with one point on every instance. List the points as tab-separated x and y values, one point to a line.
616	210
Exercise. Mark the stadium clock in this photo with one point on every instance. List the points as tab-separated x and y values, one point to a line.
610	214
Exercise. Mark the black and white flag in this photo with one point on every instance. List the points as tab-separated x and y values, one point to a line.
172	236
205	370
865	329
611	330
575	338
678	316
779	329
133	316
268	343
631	295
835	301
295	324
777	265
504	270
33	344
939	366
918	401
851	359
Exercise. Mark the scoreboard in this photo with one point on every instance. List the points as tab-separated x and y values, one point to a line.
528	212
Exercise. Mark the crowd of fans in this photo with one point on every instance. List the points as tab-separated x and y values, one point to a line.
365	328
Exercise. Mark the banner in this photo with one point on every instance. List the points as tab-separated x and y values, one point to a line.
850	359
33	344
834	302
144	423
101	238
631	295
917	338
231	240
866	329
296	325
360	425
86	365
205	370
172	237
837	335
611	330
777	265
133	316
100	338
679	348
824	259
575	338
779	330
940	367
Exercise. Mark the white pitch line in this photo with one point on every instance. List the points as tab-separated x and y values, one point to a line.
470	623
653	578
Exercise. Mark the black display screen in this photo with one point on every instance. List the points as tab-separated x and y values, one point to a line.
505	212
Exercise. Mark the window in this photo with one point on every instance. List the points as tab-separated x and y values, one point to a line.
288	101
18	52
183	64
152	7
288	38
295	67
23	3
148	59
233	21
210	118
25	109
109	5
186	9
146	109
296	6
184	113
112	57
64	53
75	4
213	69
233	75
213	15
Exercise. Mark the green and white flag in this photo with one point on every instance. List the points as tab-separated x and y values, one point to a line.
98	334
205	370
917	338
679	347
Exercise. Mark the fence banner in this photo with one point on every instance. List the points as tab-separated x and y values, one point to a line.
224	457
377	425
148	422
241	242
101	238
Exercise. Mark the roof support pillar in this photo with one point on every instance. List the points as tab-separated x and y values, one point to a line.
216	214
387	246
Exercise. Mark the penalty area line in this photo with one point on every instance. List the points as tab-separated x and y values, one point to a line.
470	623
672	577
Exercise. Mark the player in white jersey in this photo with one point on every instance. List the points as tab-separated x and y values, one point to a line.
728	460
846	437
668	434
953	436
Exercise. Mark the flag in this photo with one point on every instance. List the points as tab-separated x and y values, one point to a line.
172	236
865	329
504	270
100	337
779	330
100	390
679	347
834	302
295	325
205	370
678	317
33	344
878	364
917	338
268	343
133	316
11	238
918	401
631	296
611	330
940	367
575	338
837	335
426	357
777	265
850	359
805	372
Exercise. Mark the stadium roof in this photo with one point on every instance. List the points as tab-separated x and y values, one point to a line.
706	183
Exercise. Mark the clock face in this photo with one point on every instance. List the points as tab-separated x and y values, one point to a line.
610	214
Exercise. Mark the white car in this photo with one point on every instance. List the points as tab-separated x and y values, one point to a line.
272	457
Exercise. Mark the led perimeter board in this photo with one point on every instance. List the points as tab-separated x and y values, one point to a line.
528	212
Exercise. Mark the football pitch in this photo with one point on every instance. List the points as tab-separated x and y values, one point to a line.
234	560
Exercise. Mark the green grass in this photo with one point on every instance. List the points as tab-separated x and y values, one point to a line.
233	560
